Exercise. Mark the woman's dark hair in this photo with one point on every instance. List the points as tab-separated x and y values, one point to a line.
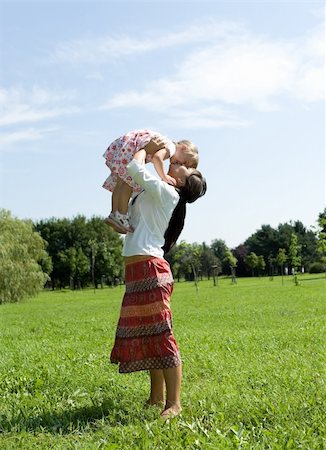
194	188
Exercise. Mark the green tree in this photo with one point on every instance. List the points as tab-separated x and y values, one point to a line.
209	263
97	242
261	264
281	260
240	252
56	233
306	240
232	261
76	264
294	257
271	262
252	262
108	263
321	238
187	261
264	242
220	250
22	251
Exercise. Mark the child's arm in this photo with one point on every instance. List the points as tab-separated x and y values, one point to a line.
140	156
157	160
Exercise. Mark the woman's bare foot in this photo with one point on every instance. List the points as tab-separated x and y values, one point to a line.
171	411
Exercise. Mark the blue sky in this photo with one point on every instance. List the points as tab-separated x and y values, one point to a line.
243	80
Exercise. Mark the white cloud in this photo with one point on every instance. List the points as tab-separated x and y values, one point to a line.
23	113
30	134
102	50
313	45
18	106
204	118
310	80
222	64
251	70
237	73
311	84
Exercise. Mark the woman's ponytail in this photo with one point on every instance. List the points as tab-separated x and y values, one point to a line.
194	188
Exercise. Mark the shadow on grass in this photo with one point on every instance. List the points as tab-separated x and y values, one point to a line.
75	420
312	279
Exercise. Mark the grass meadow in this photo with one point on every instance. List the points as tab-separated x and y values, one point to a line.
253	361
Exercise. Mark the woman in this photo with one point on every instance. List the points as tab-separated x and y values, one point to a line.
144	338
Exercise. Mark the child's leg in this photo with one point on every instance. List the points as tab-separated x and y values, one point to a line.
172	378
121	196
157	387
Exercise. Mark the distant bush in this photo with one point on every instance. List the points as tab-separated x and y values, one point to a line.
317	267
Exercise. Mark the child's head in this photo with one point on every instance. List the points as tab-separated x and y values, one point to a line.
186	154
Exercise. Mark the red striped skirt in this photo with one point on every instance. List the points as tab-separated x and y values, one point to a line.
144	339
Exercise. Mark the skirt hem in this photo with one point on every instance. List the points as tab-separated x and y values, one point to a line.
162	362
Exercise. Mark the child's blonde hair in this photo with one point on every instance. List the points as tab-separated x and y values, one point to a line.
191	151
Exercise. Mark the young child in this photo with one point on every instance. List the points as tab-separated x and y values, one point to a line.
153	147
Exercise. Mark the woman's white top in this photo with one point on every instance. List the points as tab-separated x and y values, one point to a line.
149	212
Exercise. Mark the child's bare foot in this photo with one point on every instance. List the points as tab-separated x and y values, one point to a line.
171	411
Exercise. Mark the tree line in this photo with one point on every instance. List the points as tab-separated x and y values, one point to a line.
56	253
83	252
288	248
80	252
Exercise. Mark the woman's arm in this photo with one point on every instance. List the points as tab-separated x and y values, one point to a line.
155	187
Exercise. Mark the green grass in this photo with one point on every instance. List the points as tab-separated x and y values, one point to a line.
253	361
